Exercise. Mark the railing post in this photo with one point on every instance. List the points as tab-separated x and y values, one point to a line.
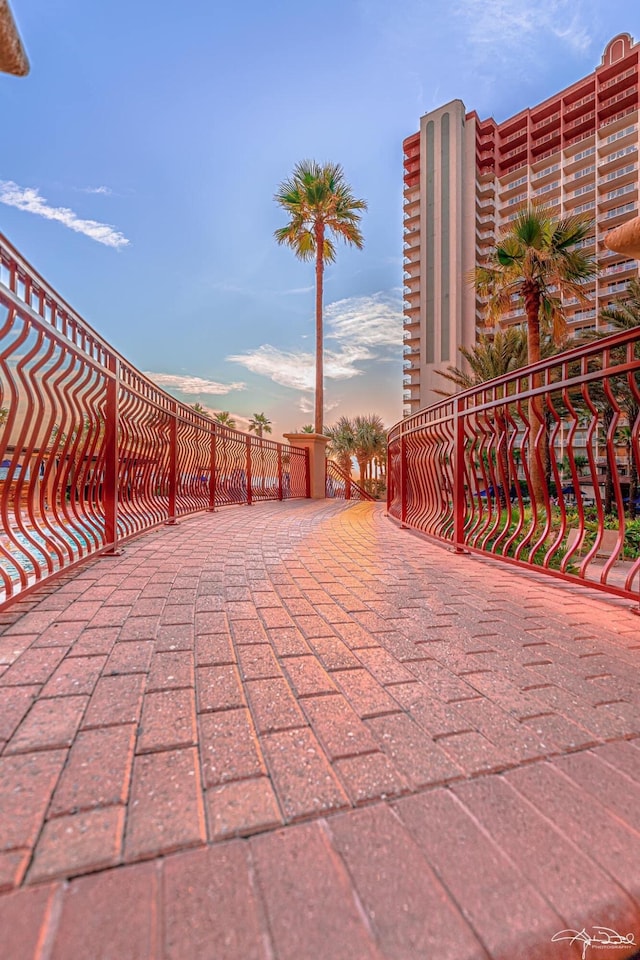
173	465
388	476
212	470
307	468
111	457
347	487
248	472
279	471
458	477
403	480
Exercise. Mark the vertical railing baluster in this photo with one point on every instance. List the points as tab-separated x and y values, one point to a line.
279	471
403	479
212	470
248	472
111	455
458	477
173	463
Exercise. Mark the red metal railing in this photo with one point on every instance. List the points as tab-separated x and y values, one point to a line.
462	470
92	452
340	486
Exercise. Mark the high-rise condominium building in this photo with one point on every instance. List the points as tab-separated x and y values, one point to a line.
465	179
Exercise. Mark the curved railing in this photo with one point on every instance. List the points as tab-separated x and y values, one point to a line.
92	452
538	468
340	486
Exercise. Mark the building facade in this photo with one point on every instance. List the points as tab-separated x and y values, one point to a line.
465	179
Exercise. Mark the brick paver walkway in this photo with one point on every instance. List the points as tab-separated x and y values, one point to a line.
297	732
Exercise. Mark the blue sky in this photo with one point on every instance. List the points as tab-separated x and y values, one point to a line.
139	160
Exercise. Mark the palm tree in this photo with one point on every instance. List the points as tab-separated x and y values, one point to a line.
308	428
370	434
200	409
491	357
320	205
536	262
225	419
342	444
259	424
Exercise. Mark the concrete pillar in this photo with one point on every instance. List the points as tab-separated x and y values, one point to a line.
316	444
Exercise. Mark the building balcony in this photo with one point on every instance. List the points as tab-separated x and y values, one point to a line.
548	143
617	215
580	174
627	266
546	122
541	175
518	152
626	98
616	199
619	127
620	177
578	138
547	189
585	119
578	106
620	78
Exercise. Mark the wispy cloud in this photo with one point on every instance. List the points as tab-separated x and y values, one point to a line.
107	191
29	200
507	27
194	385
371	323
358	329
296	290
306	404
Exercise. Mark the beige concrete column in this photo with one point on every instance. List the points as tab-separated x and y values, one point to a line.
316	444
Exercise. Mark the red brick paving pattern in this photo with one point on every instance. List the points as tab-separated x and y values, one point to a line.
375	748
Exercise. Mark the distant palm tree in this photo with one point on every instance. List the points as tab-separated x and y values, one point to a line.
308	428
496	356
370	435
225	419
318	201
342	445
259	424
536	262
201	410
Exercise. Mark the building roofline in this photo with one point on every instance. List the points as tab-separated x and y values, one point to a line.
525	111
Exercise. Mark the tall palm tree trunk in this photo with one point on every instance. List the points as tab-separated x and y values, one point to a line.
319	404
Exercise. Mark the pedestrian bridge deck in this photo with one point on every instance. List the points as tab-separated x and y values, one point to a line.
297	732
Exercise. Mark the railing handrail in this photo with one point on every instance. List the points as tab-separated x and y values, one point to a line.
28	272
94	452
568	356
512	468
